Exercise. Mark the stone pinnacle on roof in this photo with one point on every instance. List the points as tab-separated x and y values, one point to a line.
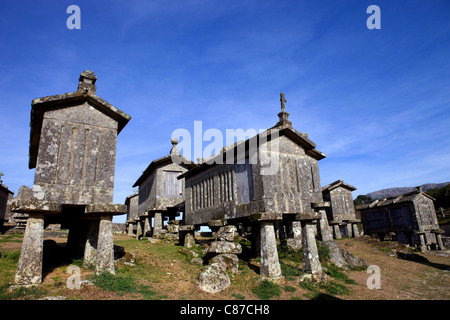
283	115
87	81
174	150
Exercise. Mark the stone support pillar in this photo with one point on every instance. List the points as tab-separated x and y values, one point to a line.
130	229
440	242
423	244
311	263
138	229
29	269
325	230
270	266
105	246
349	229
158	223
90	249
336	231
147	227
355	230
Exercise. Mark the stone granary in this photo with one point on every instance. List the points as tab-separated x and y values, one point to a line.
132	213
160	192
270	177
341	213
410	216
5	195
73	148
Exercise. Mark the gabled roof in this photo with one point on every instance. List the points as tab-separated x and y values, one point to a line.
182	161
282	130
402	198
338	183
40	105
128	199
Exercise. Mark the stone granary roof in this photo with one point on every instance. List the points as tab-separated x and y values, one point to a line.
174	155
85	93
406	197
283	128
338	183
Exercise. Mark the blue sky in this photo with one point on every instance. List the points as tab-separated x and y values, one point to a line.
376	102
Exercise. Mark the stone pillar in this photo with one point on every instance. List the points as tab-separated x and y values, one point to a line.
158	224
90	249
355	230
138	229
440	243
270	266
130	229
29	269
105	246
423	245
147	227
325	229
336	231
349	229
189	239
311	263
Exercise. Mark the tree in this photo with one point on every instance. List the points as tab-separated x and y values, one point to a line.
362	199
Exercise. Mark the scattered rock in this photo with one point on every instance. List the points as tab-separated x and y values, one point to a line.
227	233
198	261
225	247
213	279
227	262
342	258
189	241
188	252
86	283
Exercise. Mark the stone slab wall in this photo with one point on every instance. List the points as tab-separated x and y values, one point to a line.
77	153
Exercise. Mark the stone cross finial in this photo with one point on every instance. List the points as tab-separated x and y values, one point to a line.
283	115
283	102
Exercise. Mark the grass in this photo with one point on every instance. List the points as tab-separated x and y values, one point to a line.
114	283
266	290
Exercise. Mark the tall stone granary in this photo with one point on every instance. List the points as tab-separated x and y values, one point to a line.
266	180
73	148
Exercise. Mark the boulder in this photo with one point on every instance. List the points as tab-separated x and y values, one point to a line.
225	247
342	258
227	233
189	240
172	228
227	262
213	279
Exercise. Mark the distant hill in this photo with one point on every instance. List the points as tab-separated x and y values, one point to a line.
389	192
